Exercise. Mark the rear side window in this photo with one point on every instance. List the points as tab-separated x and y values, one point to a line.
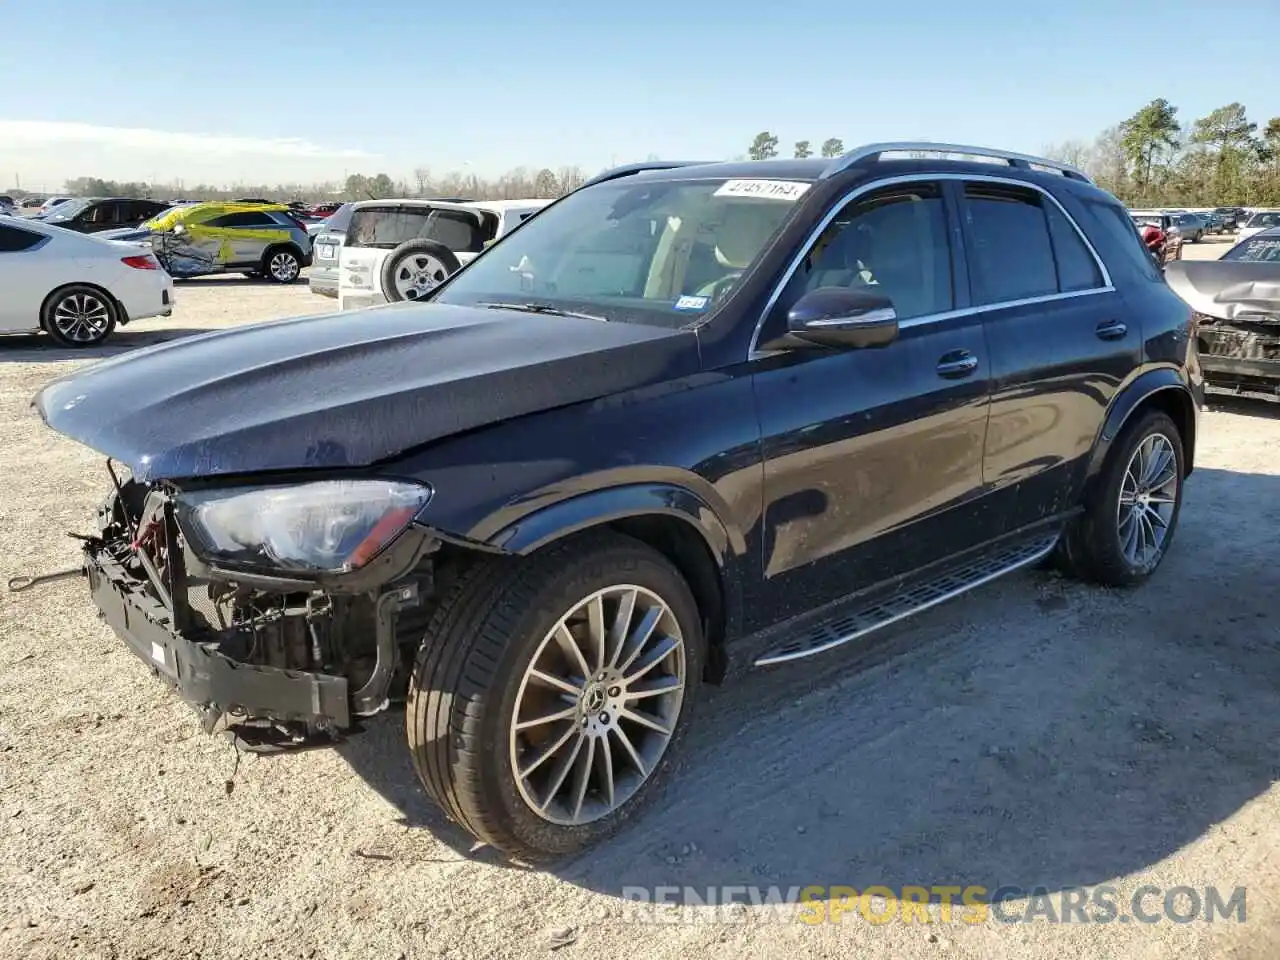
1021	245
14	240
242	220
1114	221
1010	253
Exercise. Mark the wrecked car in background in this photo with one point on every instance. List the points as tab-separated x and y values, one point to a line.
1237	307
258	240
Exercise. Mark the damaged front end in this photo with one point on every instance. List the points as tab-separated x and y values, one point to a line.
278	610
1237	322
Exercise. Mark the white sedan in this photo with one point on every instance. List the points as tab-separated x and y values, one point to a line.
74	286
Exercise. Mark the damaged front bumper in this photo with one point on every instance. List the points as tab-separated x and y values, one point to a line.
213	683
278	660
1241	357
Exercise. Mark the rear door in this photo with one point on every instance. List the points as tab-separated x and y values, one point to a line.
1059	340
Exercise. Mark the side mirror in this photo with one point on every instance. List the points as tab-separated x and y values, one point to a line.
841	317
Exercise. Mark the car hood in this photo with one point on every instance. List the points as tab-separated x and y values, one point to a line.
1227	289
347	389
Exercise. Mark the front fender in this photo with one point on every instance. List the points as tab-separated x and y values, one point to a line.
580	512
1161	380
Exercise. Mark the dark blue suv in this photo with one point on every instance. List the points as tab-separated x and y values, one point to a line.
691	418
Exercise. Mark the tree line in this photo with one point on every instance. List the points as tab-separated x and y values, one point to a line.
519	183
1153	159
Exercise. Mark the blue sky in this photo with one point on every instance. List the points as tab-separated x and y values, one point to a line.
489	86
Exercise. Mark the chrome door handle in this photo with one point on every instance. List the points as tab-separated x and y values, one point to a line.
958	364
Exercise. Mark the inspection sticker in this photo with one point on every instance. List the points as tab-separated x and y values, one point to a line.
765	189
692	303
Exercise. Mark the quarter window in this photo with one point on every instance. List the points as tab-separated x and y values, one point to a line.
1077	268
13	240
1113	220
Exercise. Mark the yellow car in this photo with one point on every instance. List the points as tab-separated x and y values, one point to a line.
255	239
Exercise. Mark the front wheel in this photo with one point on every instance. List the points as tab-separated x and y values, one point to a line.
1128	527
550	693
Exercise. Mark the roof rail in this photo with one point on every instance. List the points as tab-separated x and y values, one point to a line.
872	151
627	169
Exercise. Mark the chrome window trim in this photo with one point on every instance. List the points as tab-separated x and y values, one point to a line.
1107	286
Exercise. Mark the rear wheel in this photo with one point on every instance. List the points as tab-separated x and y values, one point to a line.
1127	529
550	694
79	316
281	265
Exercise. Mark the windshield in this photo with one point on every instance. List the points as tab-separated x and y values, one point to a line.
1269	219
65	211
659	252
388	227
1255	250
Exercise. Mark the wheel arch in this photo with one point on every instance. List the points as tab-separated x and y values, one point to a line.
1161	389
672	520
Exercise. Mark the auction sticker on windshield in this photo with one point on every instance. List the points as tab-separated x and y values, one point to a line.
765	189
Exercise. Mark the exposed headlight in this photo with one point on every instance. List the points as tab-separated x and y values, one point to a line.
329	526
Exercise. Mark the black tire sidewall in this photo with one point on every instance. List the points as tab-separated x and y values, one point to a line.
407	249
1103	526
580	577
55	298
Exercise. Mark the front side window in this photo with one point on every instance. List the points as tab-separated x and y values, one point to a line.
649	251
894	243
1263	220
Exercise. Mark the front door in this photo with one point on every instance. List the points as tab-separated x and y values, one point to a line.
873	457
1059	340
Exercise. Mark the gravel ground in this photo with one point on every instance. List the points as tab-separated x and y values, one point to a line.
1036	733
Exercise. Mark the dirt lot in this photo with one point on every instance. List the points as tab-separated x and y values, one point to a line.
1036	733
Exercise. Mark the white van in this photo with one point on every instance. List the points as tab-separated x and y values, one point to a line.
403	249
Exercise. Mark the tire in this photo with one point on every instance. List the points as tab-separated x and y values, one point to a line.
79	316
470	683
1094	546
415	268
281	264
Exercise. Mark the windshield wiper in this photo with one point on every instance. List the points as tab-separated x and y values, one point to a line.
544	308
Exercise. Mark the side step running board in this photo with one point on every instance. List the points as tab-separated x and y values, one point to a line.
878	611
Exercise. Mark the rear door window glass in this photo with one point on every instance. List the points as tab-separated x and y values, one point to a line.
1010	252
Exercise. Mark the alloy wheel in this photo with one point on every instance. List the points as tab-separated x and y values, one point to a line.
598	704
1148	499
82	317
419	274
283	267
